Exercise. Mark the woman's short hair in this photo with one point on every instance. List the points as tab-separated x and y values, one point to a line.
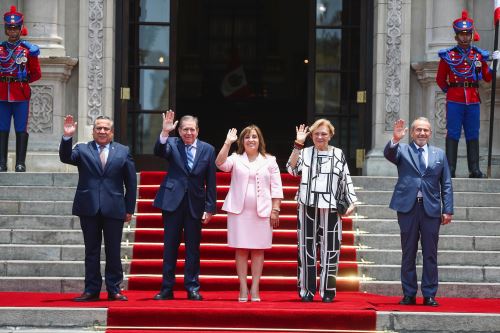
322	122
246	131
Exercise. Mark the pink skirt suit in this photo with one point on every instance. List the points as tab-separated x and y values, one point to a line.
249	200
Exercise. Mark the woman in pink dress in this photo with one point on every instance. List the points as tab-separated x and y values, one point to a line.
252	203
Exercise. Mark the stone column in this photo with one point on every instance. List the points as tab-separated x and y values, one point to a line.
440	16
44	26
391	78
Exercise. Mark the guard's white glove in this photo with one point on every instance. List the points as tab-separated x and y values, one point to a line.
495	55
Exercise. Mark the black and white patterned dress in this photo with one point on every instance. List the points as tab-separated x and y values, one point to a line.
324	175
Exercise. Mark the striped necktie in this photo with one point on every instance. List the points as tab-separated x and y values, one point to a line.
421	161
190	157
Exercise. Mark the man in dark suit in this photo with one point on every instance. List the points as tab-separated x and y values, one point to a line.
187	199
423	199
104	167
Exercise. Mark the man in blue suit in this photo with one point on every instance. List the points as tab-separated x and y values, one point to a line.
423	199
104	168
187	199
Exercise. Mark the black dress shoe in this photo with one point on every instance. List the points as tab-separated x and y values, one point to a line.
328	298
430	301
408	300
87	297
307	298
194	295
164	295
117	297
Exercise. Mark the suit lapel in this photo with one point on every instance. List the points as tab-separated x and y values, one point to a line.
431	157
199	150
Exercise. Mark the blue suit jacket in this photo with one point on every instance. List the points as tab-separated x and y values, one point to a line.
198	184
435	182
102	189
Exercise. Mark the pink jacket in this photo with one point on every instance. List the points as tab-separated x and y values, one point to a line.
267	182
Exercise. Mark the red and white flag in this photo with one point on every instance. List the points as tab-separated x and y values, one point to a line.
234	83
497	11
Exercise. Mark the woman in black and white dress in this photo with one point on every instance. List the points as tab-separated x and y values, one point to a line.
324	179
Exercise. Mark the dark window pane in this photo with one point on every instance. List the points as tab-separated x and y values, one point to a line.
147	129
328	49
327	97
154	89
155	11
329	12
154	45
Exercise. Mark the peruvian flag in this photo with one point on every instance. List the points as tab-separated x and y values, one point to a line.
234	84
497	11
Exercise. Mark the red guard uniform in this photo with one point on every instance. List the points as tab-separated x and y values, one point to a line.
460	69
19	66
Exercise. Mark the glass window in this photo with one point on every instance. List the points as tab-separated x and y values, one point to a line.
147	129
329	12
328	49
154	45
155	11
327	97
154	89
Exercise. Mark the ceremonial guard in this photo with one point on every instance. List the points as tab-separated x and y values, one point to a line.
19	66
460	69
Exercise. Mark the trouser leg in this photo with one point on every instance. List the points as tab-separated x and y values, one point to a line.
306	235
329	244
409	229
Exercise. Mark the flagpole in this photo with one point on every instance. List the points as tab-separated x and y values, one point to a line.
492	104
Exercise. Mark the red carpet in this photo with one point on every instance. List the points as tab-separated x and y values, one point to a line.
217	260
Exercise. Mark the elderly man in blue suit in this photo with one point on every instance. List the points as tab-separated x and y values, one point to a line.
423	199
105	168
187	198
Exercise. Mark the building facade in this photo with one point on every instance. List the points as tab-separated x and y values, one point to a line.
360	63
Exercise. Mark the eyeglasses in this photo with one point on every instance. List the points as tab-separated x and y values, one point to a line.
100	128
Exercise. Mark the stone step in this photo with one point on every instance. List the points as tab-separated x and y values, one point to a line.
460	199
49	222
35	268
445	289
53	320
459	184
445	257
45	284
49	237
467	228
446	242
460	273
17	207
69	179
460	213
50	252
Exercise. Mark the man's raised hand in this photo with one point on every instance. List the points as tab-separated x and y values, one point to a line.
69	126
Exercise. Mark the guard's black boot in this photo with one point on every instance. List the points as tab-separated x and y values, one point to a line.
451	155
473	159
21	149
4	148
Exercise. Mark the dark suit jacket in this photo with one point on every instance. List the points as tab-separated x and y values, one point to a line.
102	189
199	183
436	184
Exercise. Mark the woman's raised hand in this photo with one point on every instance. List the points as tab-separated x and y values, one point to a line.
302	133
231	136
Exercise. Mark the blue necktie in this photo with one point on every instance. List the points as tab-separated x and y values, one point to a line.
190	158
421	161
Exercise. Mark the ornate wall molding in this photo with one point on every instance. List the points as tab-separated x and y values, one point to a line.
393	63
41	109
440	113
95	65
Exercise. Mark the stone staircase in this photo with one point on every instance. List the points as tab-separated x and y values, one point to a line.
41	246
469	247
